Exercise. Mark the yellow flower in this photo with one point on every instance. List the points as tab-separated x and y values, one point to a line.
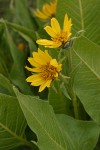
47	12
44	69
21	46
59	37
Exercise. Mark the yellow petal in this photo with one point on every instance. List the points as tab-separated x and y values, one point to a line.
50	31
40	15
47	55
59	68
44	56
32	62
49	43
44	85
55	25
33	77
54	62
67	24
49	83
47	10
56	75
37	82
29	69
44	42
40	60
36	70
54	45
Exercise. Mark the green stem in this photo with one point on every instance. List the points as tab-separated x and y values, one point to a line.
69	85
73	97
75	104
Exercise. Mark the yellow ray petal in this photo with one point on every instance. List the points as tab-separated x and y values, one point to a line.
37	82
36	70
50	31
44	85
59	68
44	56
49	83
67	24
29	69
40	60
55	25
32	62
54	45
44	42
40	15
47	55
47	10
56	75
33	77
54	62
48	43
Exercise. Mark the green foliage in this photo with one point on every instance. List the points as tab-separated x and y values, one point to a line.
12	123
58	100
63	132
67	116
87	80
85	16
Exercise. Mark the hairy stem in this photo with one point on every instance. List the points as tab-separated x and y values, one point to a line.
69	85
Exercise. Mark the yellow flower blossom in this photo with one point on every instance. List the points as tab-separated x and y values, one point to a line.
21	46
48	11
59	37
44	69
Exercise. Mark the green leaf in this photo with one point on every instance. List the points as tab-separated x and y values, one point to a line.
83	134
12	123
3	67
62	134
27	34
60	103
41	119
85	16
87	80
23	30
5	85
22	14
17	74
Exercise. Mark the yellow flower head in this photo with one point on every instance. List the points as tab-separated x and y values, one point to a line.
44	69
47	12
59	37
21	46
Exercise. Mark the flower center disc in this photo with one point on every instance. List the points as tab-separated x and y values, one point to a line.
61	37
48	72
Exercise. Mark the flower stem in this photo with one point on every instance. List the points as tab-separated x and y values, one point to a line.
69	85
75	104
73	97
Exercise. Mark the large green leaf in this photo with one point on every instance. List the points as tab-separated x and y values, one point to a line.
3	67
12	123
60	103
17	74
87	80
65	134
42	121
27	34
83	134
22	14
6	86
85	16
